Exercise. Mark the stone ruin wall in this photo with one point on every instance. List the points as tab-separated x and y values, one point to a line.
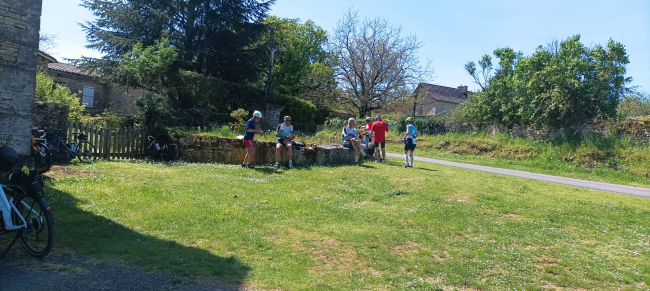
212	149
19	34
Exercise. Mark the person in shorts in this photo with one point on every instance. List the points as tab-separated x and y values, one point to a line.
251	130
409	141
350	140
379	130
286	135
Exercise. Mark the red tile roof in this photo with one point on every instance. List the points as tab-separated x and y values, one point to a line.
69	69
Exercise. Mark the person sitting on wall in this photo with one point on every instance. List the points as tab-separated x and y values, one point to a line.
286	135
350	140
251	130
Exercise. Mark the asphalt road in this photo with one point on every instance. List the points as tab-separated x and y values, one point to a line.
606	187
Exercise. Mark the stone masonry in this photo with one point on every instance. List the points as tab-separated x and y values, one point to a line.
19	33
51	116
212	149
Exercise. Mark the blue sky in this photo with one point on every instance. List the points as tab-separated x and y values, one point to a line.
453	32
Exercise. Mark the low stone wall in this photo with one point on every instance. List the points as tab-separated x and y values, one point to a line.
637	130
212	149
52	116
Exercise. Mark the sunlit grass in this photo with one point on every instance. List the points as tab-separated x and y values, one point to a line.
376	227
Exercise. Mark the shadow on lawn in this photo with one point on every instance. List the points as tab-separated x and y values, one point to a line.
87	233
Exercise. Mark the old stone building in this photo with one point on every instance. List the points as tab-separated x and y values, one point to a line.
20	22
438	100
97	96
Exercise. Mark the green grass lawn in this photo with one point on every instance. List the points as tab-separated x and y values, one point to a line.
375	227
602	160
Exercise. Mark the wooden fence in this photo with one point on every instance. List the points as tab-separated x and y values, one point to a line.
122	143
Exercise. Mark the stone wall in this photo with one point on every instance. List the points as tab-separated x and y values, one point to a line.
211	149
52	116
76	85
637	130
19	34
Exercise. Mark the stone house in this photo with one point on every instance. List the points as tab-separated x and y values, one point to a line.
438	100
94	94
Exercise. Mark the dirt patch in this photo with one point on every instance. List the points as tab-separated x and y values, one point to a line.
546	261
409	248
511	216
58	172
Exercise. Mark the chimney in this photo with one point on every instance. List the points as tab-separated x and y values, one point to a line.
462	89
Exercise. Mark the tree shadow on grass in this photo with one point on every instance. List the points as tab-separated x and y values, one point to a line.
88	234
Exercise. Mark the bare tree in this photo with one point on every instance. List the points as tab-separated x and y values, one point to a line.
375	65
47	42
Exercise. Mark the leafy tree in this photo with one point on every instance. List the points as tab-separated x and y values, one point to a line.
375	64
218	40
560	85
304	66
48	91
634	105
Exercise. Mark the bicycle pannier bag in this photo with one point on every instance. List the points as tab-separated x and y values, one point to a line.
8	158
83	136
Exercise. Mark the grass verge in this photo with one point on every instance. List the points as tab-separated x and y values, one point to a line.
375	227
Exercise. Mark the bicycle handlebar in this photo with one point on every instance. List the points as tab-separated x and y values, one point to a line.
150	138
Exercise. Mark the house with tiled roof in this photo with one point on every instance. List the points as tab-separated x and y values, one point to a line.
97	96
438	100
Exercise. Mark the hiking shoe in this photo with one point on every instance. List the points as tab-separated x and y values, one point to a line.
277	166
376	161
357	164
406	165
383	161
290	164
243	166
249	166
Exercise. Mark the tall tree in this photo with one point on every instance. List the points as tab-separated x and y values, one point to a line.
215	38
563	84
304	66
375	64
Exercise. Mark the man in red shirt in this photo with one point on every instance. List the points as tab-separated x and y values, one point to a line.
379	130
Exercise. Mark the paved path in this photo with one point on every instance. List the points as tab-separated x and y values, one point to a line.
614	188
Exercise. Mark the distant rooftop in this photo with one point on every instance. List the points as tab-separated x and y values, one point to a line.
442	93
69	69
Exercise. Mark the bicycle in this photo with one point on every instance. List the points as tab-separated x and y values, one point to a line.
83	150
24	209
40	151
162	150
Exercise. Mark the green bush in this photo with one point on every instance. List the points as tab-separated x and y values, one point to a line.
48	91
301	111
335	123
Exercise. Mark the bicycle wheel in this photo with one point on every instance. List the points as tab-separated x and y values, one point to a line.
38	237
171	153
85	151
42	158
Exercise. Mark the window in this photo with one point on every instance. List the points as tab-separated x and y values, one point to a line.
89	96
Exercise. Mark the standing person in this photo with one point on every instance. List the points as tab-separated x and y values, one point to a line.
379	130
251	130
350	140
286	135
368	151
409	141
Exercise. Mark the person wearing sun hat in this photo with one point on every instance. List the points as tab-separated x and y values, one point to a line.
249	135
286	135
409	141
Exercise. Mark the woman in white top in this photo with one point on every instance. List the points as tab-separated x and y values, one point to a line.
349	139
286	135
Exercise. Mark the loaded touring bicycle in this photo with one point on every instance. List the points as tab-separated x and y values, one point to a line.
23	209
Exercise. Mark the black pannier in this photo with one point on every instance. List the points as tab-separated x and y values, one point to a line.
8	158
83	136
26	180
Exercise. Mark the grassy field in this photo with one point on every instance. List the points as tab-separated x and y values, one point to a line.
593	158
374	227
